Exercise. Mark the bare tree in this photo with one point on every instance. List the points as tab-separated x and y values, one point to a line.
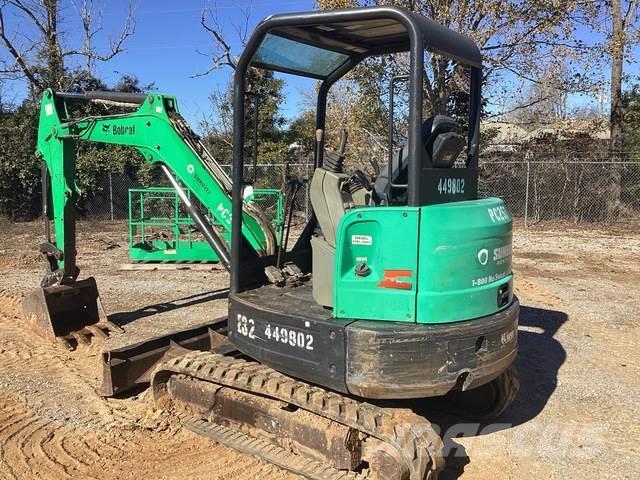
264	100
614	23
35	50
222	56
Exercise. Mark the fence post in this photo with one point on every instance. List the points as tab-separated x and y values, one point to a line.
111	196
526	195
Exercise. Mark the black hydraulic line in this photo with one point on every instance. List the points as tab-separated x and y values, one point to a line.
292	191
392	84
123	97
45	202
474	117
212	237
295	191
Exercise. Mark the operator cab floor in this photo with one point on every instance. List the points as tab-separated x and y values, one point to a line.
298	300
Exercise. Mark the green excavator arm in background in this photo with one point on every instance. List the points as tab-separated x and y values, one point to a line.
153	125
158	131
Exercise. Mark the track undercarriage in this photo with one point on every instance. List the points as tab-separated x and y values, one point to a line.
302	428
219	392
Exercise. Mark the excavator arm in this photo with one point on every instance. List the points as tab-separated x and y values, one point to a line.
158	131
151	124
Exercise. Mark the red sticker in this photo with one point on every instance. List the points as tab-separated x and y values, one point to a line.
391	279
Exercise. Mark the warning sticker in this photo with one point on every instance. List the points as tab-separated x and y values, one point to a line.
361	240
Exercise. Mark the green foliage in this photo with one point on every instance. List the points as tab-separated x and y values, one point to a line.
631	106
273	138
20	170
302	131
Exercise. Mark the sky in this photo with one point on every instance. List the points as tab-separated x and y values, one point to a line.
169	48
169	44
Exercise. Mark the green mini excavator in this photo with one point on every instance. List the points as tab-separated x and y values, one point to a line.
399	287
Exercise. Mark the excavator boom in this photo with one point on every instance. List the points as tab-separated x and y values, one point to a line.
68	309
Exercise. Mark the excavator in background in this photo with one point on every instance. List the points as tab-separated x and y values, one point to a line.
399	287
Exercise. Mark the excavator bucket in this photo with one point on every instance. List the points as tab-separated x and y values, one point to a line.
71	313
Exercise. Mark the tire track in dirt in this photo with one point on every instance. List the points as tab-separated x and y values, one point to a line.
8	425
36	371
24	444
44	366
54	425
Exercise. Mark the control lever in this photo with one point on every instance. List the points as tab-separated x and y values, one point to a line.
293	187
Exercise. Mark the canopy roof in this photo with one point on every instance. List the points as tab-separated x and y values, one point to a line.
316	44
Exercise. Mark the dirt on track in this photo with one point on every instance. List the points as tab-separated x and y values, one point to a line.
576	416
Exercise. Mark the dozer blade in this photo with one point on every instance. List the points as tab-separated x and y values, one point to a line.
71	313
130	366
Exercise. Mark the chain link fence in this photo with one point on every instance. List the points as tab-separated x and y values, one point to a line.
584	192
587	192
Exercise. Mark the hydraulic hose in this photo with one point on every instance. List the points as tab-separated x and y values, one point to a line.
212	237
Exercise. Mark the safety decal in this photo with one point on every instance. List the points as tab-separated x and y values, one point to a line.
392	279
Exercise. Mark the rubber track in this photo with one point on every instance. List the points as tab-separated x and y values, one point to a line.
411	435
509	388
267	451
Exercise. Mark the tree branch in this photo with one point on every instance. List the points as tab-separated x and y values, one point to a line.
224	56
117	45
17	56
36	21
520	107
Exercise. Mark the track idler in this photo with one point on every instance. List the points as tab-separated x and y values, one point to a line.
71	313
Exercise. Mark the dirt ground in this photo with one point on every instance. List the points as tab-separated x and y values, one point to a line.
575	417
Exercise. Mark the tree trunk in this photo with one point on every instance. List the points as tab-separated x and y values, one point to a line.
618	42
55	67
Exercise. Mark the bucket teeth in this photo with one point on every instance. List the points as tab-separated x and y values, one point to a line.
112	326
80	338
65	343
71	313
97	332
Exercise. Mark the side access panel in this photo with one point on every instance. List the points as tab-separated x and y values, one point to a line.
376	266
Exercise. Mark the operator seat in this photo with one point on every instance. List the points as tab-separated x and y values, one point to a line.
332	194
443	142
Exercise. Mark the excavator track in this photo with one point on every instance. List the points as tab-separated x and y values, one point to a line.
267	451
379	442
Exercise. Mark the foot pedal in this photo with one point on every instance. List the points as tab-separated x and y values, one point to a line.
292	270
274	275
